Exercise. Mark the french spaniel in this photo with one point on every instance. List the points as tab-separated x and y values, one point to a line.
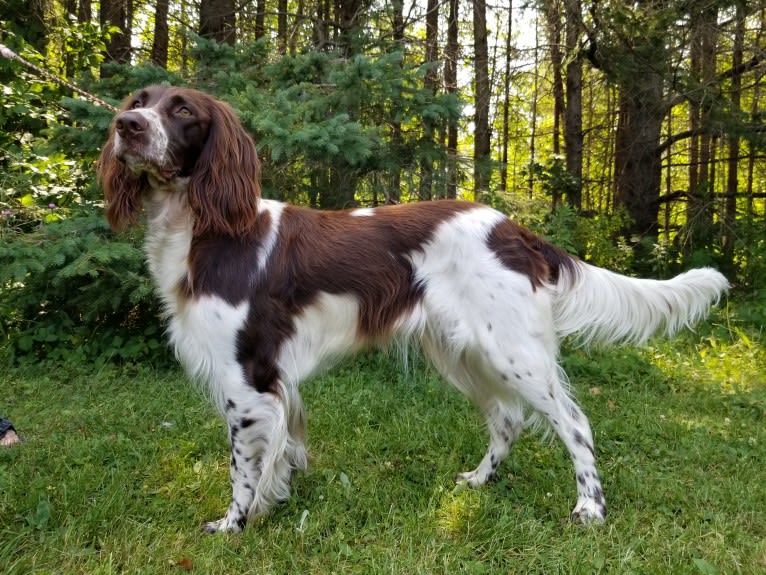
260	295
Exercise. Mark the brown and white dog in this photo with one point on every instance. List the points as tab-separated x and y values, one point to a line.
260	295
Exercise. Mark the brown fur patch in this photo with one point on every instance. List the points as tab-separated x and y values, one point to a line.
524	252
336	253
225	266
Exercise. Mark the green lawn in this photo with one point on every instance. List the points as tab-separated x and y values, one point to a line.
121	468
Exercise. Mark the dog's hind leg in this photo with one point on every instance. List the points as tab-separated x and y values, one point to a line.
471	373
505	422
538	379
501	379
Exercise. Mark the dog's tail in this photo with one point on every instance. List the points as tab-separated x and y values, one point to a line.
599	306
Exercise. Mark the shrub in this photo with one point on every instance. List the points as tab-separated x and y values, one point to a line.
70	290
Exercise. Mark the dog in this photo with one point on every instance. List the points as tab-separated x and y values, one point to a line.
260	295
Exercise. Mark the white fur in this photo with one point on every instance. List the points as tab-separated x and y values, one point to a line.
324	331
204	336
363	212
274	209
602	306
167	243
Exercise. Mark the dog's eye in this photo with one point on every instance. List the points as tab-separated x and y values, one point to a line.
184	112
135	104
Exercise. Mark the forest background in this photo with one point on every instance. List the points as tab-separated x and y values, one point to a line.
630	133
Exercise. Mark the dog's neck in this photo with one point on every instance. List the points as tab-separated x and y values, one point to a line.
168	240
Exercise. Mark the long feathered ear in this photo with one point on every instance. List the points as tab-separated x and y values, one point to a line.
224	187
122	189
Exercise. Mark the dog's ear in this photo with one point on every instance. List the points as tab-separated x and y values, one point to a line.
224	186
122	189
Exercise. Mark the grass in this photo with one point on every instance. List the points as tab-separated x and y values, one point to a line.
121	468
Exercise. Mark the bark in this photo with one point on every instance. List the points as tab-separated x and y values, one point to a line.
637	156
282	26
84	11
430	83
160	40
33	23
752	157
349	15
395	189
506	102
260	17
450	85
300	16
481	144
217	20
117	13
699	215
634	60
573	134
552	10
321	25
732	180
533	117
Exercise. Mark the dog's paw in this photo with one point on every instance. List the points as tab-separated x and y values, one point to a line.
589	512
473	478
221	526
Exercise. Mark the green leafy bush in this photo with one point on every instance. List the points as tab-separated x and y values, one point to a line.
70	290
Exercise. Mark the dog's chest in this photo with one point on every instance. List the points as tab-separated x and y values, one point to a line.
168	242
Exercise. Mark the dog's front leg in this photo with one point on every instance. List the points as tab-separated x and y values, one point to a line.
260	468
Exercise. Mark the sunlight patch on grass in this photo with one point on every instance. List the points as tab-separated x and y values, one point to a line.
735	366
738	364
458	510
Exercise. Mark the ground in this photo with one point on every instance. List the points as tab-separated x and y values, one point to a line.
122	466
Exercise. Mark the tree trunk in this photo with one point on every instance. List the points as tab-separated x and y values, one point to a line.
349	15
481	144
117	13
31	19
430	83
752	157
699	209
282	26
320	31
732	181
84	11
300	16
260	18
533	115
552	10
395	189
160	40
634	59
573	135
637	155
450	85
506	102
217	20
607	173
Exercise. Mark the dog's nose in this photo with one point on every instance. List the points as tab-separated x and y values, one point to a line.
130	124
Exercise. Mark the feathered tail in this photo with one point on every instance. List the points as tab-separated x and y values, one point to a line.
600	306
